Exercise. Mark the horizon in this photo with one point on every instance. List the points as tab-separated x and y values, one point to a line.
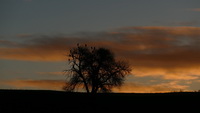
159	39
83	92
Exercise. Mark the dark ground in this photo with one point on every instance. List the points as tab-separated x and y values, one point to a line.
36	101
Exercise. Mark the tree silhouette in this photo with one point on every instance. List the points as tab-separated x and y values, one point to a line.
94	69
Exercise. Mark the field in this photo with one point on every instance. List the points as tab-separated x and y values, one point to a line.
37	101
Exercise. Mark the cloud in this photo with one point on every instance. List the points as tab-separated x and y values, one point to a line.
127	88
186	23
51	73
31	54
136	42
39	49
27	0
24	35
7	43
34	84
195	9
168	74
157	88
173	85
166	52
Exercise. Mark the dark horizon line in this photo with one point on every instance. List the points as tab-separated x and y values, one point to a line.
46	90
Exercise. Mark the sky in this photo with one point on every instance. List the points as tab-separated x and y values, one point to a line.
159	38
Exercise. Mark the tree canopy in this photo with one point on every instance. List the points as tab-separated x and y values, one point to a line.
94	70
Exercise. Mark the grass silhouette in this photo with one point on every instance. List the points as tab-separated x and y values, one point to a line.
35	101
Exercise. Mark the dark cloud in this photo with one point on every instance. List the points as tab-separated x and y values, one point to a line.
188	23
24	35
144	47
6	43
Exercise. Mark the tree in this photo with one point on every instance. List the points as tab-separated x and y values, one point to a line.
95	70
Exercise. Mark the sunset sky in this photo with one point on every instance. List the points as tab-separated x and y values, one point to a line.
159	38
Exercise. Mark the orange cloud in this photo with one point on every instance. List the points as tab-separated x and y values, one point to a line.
51	73
168	74
43	48
32	54
35	84
158	88
127	88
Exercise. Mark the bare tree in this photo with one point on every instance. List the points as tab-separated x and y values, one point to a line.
96	70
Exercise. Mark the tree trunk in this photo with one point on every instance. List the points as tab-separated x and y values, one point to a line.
93	88
86	87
